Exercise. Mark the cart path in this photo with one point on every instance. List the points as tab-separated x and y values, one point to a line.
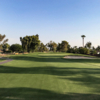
6	61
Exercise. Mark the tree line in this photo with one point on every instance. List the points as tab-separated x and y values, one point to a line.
33	44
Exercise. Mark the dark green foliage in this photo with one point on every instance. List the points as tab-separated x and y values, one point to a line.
93	52
16	47
93	48
76	50
68	46
52	45
88	45
59	47
98	48
71	50
43	48
64	46
84	51
79	50
6	47
30	43
83	36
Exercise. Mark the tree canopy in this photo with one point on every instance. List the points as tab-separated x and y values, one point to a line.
42	47
88	45
16	47
30	43
5	46
83	36
64	46
52	45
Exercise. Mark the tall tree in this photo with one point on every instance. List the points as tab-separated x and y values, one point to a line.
64	46
24	43
59	47
30	42
2	41
42	47
93	48
68	46
88	45
35	42
98	48
83	36
5	46
52	45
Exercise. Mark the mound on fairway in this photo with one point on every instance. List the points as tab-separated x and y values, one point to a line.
78	57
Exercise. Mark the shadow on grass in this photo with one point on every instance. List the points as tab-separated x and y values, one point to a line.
49	70
83	76
40	94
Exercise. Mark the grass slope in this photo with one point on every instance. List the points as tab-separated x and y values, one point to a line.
40	76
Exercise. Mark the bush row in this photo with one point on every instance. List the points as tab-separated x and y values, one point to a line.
82	51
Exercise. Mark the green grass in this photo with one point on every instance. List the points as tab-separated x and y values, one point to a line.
47	76
1	59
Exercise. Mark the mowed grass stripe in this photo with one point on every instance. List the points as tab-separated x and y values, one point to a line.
81	74
40	77
67	85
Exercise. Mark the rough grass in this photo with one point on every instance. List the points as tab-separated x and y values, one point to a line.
47	76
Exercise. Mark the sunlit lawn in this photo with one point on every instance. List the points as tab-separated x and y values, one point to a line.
48	76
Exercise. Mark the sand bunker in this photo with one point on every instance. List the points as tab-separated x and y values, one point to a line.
78	57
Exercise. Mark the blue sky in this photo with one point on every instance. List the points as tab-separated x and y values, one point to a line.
54	20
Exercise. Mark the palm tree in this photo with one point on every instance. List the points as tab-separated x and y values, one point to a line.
83	36
2	41
88	45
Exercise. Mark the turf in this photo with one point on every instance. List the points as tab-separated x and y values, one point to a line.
42	76
2	60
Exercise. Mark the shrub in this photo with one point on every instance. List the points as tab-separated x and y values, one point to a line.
71	50
16	47
84	51
93	52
